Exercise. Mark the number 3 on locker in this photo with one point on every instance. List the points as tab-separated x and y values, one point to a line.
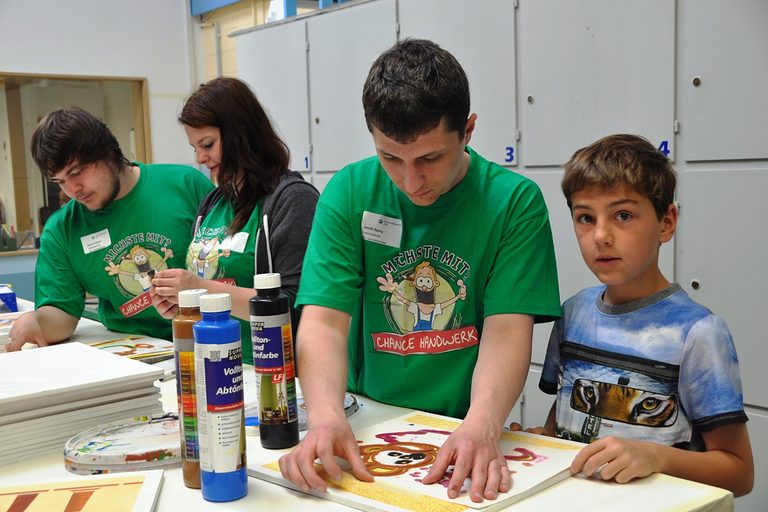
510	154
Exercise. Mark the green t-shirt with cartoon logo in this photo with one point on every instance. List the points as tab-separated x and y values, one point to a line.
418	281
112	253
213	254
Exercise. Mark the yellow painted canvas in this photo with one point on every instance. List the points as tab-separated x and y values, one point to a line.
142	348
126	492
400	452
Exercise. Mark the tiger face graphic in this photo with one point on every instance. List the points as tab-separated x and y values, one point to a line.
624	404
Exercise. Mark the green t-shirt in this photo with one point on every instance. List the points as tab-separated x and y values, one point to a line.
112	253
213	254
483	248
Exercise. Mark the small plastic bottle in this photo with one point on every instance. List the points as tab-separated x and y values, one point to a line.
219	381
272	340
184	350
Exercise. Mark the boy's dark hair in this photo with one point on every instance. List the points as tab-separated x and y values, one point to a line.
253	157
72	135
411	87
622	159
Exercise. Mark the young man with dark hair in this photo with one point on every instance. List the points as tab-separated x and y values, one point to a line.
127	220
426	269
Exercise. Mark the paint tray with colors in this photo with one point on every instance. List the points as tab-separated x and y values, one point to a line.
144	442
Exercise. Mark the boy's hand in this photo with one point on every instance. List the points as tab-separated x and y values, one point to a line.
613	458
516	427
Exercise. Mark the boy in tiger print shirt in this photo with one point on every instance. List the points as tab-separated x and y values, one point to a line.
643	373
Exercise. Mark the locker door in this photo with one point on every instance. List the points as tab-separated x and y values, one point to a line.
758	437
589	69
342	46
722	245
724	79
273	61
482	38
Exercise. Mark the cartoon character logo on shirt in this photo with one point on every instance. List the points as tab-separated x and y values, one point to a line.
420	294
136	268
203	257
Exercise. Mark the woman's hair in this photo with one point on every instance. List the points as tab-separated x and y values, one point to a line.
253	157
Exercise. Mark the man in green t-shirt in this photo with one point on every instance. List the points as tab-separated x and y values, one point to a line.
126	221
426	268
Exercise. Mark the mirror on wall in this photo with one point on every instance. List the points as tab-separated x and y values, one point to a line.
27	199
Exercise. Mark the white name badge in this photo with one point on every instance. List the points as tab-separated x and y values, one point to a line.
382	229
234	243
96	241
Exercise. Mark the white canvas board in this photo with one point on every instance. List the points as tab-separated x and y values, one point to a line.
30	379
400	452
6	419
55	442
143	348
78	427
60	422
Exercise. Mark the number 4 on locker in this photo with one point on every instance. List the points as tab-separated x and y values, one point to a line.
664	147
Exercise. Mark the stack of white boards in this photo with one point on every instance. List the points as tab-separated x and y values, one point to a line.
49	394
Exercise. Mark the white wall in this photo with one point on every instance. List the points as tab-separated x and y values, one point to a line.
141	38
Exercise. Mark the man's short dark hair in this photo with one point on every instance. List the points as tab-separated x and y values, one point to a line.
411	87
72	135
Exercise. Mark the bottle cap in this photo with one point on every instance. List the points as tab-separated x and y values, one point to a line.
215	302
266	281
191	298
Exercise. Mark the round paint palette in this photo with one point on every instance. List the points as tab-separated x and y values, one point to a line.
143	442
252	414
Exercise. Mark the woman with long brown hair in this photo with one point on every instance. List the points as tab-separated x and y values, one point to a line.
257	219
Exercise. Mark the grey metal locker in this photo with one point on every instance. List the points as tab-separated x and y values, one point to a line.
567	252
758	436
723	79
723	240
482	38
537	403
273	61
589	69
342	46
